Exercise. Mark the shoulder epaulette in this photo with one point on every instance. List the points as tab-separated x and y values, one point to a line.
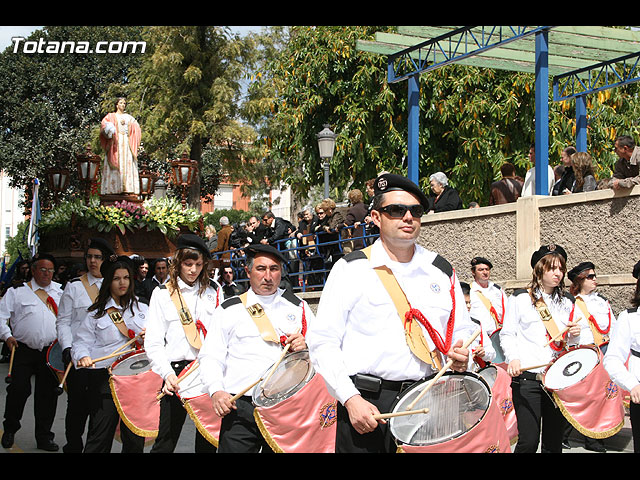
497	286
632	310
570	297
602	297
443	265
162	286
292	297
230	301
76	279
18	285
355	255
519	291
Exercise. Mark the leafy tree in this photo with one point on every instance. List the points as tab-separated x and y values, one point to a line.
50	102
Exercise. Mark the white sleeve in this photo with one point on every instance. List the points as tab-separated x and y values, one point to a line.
154	337
618	352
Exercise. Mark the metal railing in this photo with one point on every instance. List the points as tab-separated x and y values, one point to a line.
309	258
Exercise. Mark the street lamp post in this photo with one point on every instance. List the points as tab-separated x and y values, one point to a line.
88	170
58	179
183	171
326	145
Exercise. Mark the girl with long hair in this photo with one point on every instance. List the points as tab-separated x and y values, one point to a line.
170	345
99	336
534	316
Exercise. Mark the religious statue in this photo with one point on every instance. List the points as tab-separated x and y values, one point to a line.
120	137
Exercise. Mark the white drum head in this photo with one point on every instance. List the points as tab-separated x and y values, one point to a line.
571	368
293	373
457	402
495	343
489	374
132	364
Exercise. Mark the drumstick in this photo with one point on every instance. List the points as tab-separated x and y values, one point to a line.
536	366
186	374
282	355
60	387
13	352
442	371
128	343
398	414
111	355
564	330
239	394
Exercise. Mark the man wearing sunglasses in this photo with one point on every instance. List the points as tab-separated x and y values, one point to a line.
359	343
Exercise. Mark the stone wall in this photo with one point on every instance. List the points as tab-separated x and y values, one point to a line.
602	227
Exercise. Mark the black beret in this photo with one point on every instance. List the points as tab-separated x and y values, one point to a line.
189	240
254	249
578	269
44	256
636	270
102	245
110	263
545	250
388	182
481	260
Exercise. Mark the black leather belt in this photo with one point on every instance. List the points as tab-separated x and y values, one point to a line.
371	383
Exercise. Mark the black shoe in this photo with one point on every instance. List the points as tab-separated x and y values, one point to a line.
595	447
48	445
7	439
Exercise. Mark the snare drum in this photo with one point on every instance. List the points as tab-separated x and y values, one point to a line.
499	382
462	417
198	404
495	342
134	388
585	394
54	360
293	408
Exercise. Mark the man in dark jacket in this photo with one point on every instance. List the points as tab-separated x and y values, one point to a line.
277	228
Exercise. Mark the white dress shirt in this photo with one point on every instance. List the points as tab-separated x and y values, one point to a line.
524	336
165	339
625	336
480	312
24	316
234	354
73	308
529	187
99	337
358	329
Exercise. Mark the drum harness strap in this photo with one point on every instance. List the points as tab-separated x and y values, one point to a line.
266	329
414	336
92	290
600	335
549	323
491	308
191	329
118	321
46	298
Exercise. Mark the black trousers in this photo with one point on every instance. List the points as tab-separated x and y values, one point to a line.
537	416
380	440
28	363
172	418
239	432
634	418
77	414
104	418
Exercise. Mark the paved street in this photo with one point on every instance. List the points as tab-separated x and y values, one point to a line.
25	441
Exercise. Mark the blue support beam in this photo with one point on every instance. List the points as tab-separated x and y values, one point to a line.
581	123
413	142
542	114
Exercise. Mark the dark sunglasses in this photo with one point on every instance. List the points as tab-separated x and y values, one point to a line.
591	276
396	210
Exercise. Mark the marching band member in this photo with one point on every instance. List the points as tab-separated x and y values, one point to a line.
625	346
596	317
358	343
111	321
79	294
170	344
28	324
534	316
247	338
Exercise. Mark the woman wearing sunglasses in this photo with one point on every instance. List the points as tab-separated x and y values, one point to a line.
595	316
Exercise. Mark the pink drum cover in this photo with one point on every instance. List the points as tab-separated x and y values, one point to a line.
135	399
488	436
501	391
200	409
302	423
594	406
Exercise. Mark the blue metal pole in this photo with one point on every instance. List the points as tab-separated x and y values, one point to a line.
581	123
413	144
542	113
